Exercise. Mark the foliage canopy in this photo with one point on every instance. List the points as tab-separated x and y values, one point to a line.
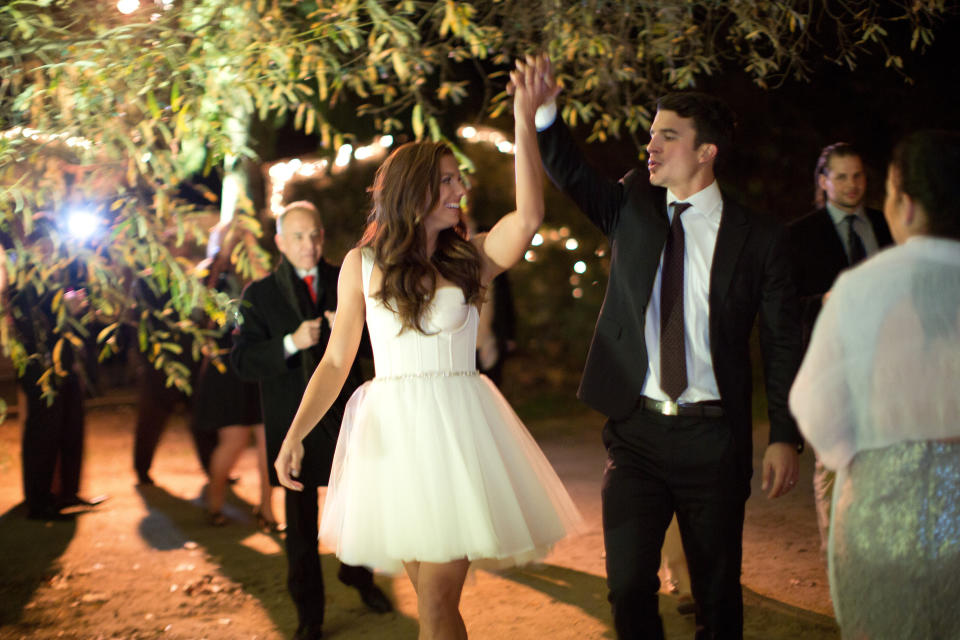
118	112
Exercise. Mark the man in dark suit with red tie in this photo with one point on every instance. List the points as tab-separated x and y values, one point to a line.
284	331
669	363
836	235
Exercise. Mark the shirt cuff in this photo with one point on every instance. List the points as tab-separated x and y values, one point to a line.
545	116
288	347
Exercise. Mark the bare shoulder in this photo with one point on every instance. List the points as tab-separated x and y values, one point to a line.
351	274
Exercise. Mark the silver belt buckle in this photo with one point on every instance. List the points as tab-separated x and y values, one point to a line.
669	408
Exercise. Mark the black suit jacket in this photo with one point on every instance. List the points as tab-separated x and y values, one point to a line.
819	257
257	354
750	274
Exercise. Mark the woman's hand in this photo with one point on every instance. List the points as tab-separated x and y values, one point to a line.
288	464
532	85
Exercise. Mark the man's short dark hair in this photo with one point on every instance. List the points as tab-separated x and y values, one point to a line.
829	152
713	120
926	166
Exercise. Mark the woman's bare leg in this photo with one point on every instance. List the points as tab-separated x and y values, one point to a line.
266	491
231	441
439	586
413	572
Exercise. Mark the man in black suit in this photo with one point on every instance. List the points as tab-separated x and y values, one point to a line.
669	363
284	331
836	235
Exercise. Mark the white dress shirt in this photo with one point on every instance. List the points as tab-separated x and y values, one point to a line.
289	348
861	224
700	225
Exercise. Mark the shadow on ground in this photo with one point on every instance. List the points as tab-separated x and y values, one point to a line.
172	522
31	557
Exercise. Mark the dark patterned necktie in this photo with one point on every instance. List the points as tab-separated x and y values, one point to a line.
673	352
308	280
854	243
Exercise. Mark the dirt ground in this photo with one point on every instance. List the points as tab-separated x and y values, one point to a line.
145	565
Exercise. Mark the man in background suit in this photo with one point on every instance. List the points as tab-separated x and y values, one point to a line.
676	387
284	331
836	235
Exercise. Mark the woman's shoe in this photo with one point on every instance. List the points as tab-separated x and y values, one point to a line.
266	524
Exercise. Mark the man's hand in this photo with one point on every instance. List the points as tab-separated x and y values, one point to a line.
288	464
307	334
780	469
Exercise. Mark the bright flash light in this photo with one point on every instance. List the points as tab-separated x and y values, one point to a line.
343	155
580	266
126	7
468	132
505	146
537	240
571	244
81	224
363	153
386	141
530	256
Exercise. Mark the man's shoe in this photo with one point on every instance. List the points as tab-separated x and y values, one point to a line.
49	514
375	599
308	632
77	501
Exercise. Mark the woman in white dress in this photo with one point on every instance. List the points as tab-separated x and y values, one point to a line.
433	471
878	397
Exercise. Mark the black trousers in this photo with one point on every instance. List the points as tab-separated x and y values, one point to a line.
52	434
304	577
661	465
155	404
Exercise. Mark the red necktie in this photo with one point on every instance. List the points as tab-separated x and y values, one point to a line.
673	352
308	279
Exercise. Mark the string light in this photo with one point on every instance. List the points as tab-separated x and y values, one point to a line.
281	173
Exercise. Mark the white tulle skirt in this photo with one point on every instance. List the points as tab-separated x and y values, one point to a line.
439	468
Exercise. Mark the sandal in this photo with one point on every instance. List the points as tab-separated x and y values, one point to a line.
267	525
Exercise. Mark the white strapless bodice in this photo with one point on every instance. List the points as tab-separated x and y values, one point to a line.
448	346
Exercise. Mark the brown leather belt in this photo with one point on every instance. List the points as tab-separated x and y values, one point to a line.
707	409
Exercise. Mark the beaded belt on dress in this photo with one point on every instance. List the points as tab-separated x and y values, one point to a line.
428	374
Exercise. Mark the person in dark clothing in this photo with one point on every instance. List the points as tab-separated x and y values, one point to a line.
53	421
157	401
285	326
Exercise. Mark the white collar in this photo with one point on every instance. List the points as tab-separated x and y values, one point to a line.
303	273
707	201
839	215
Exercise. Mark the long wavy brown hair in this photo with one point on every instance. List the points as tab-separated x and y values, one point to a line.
405	190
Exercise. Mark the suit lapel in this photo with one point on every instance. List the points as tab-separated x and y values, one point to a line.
730	238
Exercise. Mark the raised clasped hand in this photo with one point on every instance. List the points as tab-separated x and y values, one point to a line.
532	84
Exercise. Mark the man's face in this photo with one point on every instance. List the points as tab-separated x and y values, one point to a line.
844	182
673	159
301	239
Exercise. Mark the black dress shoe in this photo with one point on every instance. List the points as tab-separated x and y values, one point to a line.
375	599
308	632
77	501
49	513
